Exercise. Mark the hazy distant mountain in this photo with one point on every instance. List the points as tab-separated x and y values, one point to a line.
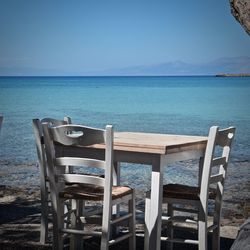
234	65
222	65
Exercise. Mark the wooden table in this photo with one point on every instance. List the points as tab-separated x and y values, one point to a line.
157	150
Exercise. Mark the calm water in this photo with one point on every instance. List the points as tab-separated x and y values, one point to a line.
182	105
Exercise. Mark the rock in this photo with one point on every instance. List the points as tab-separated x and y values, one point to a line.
240	9
242	241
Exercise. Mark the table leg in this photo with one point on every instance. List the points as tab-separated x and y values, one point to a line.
201	161
116	174
154	208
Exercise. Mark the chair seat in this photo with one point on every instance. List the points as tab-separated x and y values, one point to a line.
91	192
179	191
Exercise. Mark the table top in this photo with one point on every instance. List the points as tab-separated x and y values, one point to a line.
156	143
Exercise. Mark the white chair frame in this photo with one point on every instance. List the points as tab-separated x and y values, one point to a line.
81	136
44	180
213	178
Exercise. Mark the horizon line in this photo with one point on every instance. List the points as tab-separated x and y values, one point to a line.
15	76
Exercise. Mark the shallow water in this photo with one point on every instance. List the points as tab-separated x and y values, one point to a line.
178	105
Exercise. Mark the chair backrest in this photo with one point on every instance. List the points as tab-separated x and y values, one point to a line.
80	137
38	132
1	120
215	163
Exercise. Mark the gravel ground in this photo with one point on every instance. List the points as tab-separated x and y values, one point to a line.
20	210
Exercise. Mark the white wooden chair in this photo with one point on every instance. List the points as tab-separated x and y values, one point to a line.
194	200
85	187
44	180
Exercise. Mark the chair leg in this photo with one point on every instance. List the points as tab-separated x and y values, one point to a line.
44	211
216	231
216	239
60	225
106	229
170	229
216	221
147	216
202	230
79	224
105	241
76	241
44	219
131	209
57	225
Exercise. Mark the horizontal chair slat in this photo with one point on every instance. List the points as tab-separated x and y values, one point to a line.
179	219
178	240
216	178
81	162
188	210
121	238
81	232
219	161
81	178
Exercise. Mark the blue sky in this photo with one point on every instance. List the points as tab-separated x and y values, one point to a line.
75	37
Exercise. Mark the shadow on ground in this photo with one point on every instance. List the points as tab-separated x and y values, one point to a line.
20	228
22	232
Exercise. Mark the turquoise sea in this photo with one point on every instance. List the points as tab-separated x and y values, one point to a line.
178	105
